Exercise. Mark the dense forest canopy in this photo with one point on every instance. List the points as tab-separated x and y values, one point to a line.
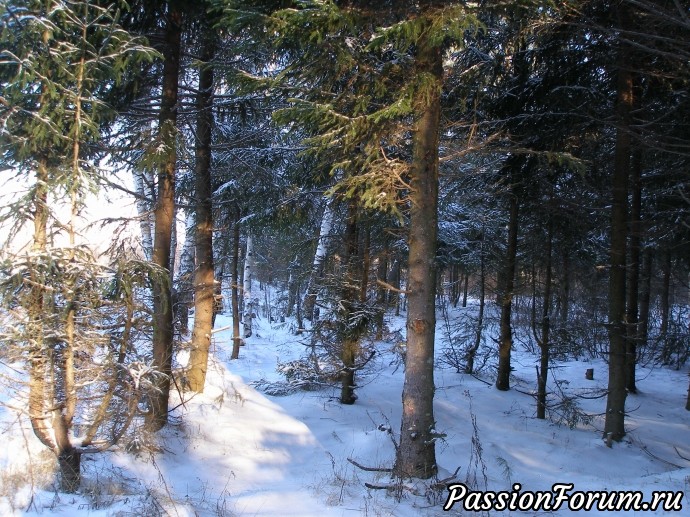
361	158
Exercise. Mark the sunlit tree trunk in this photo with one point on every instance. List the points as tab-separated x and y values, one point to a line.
204	280
38	362
319	257
164	215
416	454
143	185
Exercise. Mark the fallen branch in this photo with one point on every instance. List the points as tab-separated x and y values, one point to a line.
369	469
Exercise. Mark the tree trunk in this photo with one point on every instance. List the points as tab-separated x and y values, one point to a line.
505	342
544	343
645	297
665	296
38	367
204	280
319	257
394	294
349	298
687	402
185	278
235	282
247	288
465	288
416	454
382	292
614	425
164	214
143	185
472	352
633	270
564	293
366	263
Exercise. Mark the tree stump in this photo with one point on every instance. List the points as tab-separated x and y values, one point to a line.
589	374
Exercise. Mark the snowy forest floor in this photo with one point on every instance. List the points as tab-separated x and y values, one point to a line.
236	451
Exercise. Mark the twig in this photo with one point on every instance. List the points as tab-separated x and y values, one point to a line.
390	287
485	382
380	487
679	454
369	469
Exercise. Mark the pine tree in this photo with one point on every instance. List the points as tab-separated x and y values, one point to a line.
59	59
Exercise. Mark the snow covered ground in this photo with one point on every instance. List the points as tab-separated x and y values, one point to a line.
234	450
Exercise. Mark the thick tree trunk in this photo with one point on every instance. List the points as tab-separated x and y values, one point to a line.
235	282
614	425
38	362
69	458
416	454
349	298
633	270
204	280
164	219
505	342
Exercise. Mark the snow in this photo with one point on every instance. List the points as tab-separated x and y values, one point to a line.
234	450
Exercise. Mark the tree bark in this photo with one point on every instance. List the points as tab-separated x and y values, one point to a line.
143	184
164	214
349	297
645	297
382	292
632	293
317	265
614	425
184	285
204	279
665	295
235	282
505	342
38	367
416	454
472	352
544	342
247	282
